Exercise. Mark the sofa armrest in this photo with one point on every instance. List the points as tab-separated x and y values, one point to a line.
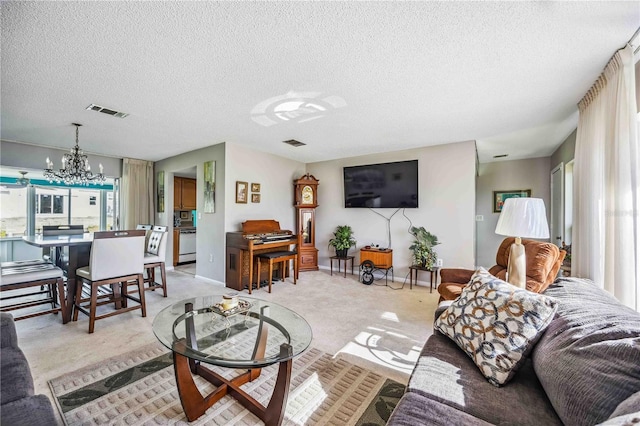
8	335
455	275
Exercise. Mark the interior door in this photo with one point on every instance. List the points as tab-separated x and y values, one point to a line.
557	205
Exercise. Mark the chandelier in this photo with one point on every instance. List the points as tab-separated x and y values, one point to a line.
75	167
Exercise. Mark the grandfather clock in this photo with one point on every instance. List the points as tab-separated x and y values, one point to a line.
306	201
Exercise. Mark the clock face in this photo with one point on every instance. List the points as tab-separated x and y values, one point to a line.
307	195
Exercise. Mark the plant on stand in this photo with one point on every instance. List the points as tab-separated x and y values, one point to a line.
422	247
342	240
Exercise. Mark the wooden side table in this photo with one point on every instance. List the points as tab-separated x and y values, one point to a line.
346	261
433	274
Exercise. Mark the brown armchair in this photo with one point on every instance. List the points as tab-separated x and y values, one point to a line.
543	263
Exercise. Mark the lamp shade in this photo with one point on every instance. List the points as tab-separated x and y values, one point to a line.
523	217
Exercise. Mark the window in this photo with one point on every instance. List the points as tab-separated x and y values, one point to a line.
44	203
13	211
85	209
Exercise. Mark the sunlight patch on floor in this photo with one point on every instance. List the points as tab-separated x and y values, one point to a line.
391	316
387	348
315	395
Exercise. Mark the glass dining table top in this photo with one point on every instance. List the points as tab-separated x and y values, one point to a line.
240	338
40	240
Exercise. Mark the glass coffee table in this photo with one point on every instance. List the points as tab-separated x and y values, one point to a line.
254	335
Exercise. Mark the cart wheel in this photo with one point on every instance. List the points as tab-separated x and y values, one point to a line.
367	272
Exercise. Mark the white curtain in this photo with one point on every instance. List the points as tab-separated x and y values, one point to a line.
136	193
606	217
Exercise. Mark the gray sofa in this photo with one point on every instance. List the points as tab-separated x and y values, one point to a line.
18	405
584	370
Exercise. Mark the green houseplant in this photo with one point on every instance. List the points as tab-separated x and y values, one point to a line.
422	247
342	240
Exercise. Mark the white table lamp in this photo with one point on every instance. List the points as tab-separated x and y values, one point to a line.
521	218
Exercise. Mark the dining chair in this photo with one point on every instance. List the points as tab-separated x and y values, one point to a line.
154	257
59	257
147	230
117	257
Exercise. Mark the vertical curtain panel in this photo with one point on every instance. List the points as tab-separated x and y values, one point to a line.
136	193
606	235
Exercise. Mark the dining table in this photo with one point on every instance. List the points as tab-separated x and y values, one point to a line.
79	250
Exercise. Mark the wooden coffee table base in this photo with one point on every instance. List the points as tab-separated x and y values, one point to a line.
195	405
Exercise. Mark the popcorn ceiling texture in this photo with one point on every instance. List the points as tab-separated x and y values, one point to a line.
410	73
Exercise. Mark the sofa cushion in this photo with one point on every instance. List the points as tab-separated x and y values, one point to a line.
446	374
16	380
630	405
29	411
588	360
496	324
414	409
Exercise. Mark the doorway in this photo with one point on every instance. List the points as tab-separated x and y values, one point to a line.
557	205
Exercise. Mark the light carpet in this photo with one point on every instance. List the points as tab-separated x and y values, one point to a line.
138	388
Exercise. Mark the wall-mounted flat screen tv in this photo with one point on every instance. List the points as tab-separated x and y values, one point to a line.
387	185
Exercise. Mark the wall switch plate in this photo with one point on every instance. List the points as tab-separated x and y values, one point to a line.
199	215
439	262
479	218
211	257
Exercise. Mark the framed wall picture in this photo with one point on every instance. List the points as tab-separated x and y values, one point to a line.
160	192
255	198
255	187
499	197
210	187
242	191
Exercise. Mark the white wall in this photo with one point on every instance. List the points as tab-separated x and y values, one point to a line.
274	174
446	199
533	174
210	236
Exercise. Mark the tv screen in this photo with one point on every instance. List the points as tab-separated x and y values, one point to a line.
387	185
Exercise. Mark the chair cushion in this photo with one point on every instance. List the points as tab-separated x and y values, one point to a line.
32	273
154	242
17	263
277	254
543	262
152	258
496	324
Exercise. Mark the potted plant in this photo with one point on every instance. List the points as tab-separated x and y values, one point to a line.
342	240
422	247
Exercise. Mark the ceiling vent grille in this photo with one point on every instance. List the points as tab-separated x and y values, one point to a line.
294	142
98	108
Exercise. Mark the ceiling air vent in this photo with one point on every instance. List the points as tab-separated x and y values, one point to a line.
294	142
98	108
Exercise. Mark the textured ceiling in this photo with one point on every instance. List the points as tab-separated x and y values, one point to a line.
346	78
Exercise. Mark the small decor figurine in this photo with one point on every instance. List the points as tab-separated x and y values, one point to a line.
422	247
342	240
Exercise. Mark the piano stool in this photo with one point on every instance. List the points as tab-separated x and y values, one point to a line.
276	257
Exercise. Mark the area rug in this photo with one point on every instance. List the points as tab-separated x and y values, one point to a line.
138	388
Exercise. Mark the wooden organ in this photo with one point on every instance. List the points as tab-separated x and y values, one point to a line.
256	237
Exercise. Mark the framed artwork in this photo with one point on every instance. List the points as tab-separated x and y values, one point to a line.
255	198
499	197
210	187
160	192
242	189
255	187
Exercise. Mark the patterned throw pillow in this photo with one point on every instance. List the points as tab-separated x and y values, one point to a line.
496	324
